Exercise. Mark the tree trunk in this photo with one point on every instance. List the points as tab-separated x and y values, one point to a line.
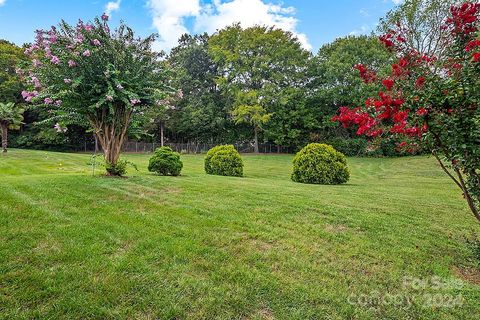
255	146
96	142
460	182
4	128
111	135
161	133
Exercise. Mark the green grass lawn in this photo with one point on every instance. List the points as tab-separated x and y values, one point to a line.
210	247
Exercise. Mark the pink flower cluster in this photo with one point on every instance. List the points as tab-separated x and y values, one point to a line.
28	96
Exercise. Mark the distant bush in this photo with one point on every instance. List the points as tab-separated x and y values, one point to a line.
165	162
224	161
320	164
349	147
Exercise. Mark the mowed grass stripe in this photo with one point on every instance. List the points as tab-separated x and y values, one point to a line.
207	247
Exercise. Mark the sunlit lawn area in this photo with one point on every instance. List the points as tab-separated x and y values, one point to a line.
205	247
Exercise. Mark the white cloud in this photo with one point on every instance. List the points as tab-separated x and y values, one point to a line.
111	7
397	2
362	30
249	13
2	2
364	12
168	17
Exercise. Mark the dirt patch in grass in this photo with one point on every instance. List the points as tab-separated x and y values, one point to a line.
468	274
47	246
246	240
264	314
336	228
172	190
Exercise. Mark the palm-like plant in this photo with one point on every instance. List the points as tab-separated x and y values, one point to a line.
11	117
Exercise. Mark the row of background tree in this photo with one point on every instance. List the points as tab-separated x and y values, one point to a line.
239	84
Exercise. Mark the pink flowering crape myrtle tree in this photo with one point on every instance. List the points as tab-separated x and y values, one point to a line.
88	73
431	103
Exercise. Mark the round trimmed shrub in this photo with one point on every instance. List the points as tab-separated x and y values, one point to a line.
224	161
320	164
165	162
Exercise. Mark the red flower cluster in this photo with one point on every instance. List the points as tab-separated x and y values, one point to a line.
382	115
389	114
367	75
348	117
372	126
420	82
387	39
400	68
472	45
463	18
422	112
388	83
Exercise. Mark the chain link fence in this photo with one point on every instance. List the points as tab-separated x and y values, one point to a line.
187	148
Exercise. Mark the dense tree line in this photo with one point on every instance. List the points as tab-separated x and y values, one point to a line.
257	85
238	75
263	73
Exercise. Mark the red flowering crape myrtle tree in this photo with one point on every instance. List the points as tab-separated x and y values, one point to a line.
87	73
431	103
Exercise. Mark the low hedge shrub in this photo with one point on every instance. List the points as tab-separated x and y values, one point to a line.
320	164
224	161
165	162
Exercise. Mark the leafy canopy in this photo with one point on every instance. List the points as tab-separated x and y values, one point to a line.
10	82
11	115
431	101
89	72
249	110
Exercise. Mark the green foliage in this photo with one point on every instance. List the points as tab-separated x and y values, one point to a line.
320	164
424	20
473	243
91	75
349	147
202	113
118	169
249	110
256	61
258	57
11	115
165	162
336	83
224	161
293	118
10	83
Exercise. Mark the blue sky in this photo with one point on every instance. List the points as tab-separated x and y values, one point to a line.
314	21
